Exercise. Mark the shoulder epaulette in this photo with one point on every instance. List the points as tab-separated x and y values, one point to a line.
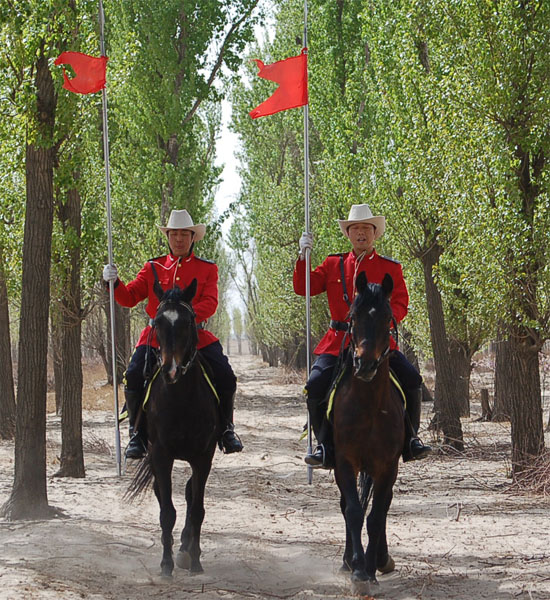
390	259
156	258
205	260
338	254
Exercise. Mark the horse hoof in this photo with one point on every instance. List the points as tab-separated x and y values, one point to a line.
183	560
166	573
388	567
345	568
360	584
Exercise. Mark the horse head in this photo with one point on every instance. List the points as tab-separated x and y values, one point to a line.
176	331
370	318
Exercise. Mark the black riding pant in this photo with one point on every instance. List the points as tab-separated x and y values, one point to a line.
144	359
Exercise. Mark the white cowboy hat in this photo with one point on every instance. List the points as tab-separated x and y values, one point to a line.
181	219
361	213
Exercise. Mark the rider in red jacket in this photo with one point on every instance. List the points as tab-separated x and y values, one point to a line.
336	276
178	268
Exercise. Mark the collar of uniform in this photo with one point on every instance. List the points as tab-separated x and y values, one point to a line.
176	258
369	257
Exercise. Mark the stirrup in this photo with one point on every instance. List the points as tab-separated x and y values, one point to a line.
317	460
232	445
136	447
422	450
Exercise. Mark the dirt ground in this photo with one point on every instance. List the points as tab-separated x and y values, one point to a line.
455	529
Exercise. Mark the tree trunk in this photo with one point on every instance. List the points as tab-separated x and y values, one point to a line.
448	416
57	356
461	366
486	411
523	382
122	339
72	455
503	356
405	344
7	392
28	499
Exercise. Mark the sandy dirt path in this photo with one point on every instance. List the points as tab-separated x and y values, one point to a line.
453	529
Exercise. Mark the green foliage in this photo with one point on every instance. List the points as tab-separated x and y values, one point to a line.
433	112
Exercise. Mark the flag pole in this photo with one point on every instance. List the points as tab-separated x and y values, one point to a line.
308	252
109	241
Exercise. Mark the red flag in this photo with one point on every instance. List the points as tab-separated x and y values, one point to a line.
291	75
90	72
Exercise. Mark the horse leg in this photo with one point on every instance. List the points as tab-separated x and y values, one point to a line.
377	550
354	517
189	553
183	558
365	483
346	561
162	469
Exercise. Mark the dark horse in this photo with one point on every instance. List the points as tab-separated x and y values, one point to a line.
368	433
183	423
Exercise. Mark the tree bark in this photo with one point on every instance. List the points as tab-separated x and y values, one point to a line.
486	412
57	356
523	382
448	416
122	339
72	454
501	406
28	499
7	391
461	365
410	354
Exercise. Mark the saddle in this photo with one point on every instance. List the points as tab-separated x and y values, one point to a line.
151	375
204	373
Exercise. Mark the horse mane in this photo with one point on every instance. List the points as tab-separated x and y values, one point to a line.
175	294
373	295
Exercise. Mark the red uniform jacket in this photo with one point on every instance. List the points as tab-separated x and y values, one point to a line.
172	271
327	278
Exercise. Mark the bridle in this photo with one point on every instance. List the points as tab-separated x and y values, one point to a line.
180	369
383	356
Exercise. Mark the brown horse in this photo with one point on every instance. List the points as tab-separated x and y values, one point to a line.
182	423
368	433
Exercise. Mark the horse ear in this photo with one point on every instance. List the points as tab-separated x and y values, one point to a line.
191	290
387	284
361	282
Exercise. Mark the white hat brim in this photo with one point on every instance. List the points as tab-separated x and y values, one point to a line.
378	222
199	230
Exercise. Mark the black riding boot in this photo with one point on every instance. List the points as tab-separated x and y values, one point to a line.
414	449
230	442
323	455
137	446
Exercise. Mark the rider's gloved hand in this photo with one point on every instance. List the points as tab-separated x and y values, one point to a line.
110	273
306	242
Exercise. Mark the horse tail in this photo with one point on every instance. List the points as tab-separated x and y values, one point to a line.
141	481
365	489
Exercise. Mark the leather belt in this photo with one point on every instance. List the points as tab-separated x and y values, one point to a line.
339	325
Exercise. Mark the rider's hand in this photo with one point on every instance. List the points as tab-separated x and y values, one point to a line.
306	242
110	273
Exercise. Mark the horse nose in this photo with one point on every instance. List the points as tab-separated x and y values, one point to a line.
364	370
169	370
